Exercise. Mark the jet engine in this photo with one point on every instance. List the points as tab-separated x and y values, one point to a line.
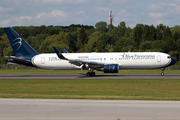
111	68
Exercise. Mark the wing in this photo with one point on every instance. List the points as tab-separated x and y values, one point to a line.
79	62
89	63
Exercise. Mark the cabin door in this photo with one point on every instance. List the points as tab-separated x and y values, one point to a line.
42	60
158	58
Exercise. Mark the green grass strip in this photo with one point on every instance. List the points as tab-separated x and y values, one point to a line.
92	89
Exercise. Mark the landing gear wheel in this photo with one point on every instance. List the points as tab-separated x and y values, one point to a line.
93	74
162	74
90	74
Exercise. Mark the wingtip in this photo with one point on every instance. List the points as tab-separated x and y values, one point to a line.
59	54
64	50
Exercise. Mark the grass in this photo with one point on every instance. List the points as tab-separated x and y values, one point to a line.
92	89
42	71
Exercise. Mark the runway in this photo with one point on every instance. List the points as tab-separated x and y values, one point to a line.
83	76
66	109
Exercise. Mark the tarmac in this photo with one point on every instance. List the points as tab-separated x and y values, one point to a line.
83	76
75	109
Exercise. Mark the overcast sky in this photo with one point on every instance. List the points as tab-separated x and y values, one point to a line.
88	12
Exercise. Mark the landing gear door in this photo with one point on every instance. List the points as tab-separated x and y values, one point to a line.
158	58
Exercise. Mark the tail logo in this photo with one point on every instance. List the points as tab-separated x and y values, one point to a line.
17	43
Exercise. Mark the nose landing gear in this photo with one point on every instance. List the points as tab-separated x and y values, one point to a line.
162	74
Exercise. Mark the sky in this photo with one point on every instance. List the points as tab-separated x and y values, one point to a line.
88	12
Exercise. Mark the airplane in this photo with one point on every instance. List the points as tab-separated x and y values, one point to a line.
110	62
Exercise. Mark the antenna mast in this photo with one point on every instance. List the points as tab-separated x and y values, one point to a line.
111	18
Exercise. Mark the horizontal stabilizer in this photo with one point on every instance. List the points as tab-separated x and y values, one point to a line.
18	59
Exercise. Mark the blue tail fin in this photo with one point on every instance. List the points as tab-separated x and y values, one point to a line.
19	46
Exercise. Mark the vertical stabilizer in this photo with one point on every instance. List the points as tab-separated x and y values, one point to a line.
19	46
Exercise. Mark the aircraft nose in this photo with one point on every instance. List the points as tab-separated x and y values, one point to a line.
173	61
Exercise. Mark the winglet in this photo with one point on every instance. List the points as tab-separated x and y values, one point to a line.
64	50
59	54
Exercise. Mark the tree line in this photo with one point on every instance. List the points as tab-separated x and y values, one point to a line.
84	38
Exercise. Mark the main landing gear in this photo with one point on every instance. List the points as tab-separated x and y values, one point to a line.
90	73
162	74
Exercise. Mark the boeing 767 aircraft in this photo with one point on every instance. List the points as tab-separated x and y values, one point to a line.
106	62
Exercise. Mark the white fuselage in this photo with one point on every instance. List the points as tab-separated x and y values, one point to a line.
125	60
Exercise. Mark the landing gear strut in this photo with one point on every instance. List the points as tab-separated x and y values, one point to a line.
90	73
162	74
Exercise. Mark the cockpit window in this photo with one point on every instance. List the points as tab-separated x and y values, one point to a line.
169	57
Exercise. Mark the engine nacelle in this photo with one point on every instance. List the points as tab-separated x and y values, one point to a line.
111	68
